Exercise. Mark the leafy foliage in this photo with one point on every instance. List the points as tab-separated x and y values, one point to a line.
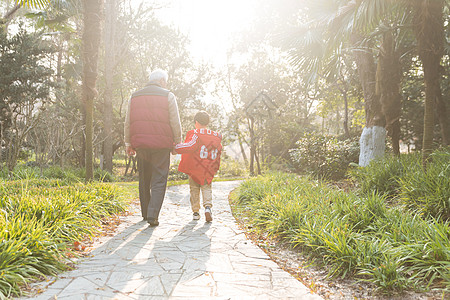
175	175
34	3
425	191
428	191
323	156
381	176
40	219
355	236
25	87
230	168
24	75
66	175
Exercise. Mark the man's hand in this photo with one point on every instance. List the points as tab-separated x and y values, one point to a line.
130	151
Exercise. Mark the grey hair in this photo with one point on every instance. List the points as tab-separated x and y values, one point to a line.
157	75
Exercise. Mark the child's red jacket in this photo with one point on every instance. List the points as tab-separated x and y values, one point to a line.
200	154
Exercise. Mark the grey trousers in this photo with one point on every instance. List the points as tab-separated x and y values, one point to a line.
153	168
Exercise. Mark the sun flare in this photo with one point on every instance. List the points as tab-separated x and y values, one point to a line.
210	24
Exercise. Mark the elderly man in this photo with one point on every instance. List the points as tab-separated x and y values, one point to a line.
152	128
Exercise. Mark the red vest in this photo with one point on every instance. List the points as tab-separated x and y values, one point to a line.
149	119
200	154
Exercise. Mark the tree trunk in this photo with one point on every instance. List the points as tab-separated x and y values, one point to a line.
109	75
252	146
373	136
257	163
442	114
59	59
241	146
388	88
346	130
91	43
82	156
252	159
429	31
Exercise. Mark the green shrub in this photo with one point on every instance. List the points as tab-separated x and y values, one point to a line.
21	171
426	192
99	175
26	252
324	157
358	236
39	218
175	175
382	175
103	175
66	174
257	188
230	167
54	172
429	191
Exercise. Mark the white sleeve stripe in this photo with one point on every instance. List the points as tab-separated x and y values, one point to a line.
189	144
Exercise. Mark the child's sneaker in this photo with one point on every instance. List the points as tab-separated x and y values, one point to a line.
196	216
208	214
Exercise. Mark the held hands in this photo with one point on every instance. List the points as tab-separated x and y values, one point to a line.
130	151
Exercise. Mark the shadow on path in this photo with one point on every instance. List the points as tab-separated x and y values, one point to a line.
179	259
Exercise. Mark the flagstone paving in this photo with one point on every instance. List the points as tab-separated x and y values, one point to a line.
179	259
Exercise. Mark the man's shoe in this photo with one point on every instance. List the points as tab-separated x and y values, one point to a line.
196	216
153	222
208	214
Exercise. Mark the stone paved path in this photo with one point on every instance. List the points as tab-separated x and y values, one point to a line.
179	259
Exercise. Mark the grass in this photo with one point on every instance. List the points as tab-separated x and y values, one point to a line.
356	236
403	179
41	219
66	175
44	211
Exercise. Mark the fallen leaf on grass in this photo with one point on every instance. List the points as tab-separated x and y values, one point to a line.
78	246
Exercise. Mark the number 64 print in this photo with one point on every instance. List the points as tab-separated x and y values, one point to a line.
204	153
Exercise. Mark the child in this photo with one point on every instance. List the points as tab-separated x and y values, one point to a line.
200	159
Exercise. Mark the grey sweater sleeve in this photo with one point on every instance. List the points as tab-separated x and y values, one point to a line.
174	118
127	126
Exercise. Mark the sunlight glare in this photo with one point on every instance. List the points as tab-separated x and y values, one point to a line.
210	24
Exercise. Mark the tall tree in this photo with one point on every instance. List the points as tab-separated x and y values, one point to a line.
109	60
372	141
388	86
429	32
344	18
92	11
25	85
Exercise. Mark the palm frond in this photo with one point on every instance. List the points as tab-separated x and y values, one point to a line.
306	48
58	4
321	11
318	46
303	36
371	13
343	22
33	3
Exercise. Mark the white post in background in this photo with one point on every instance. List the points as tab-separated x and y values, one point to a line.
372	144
